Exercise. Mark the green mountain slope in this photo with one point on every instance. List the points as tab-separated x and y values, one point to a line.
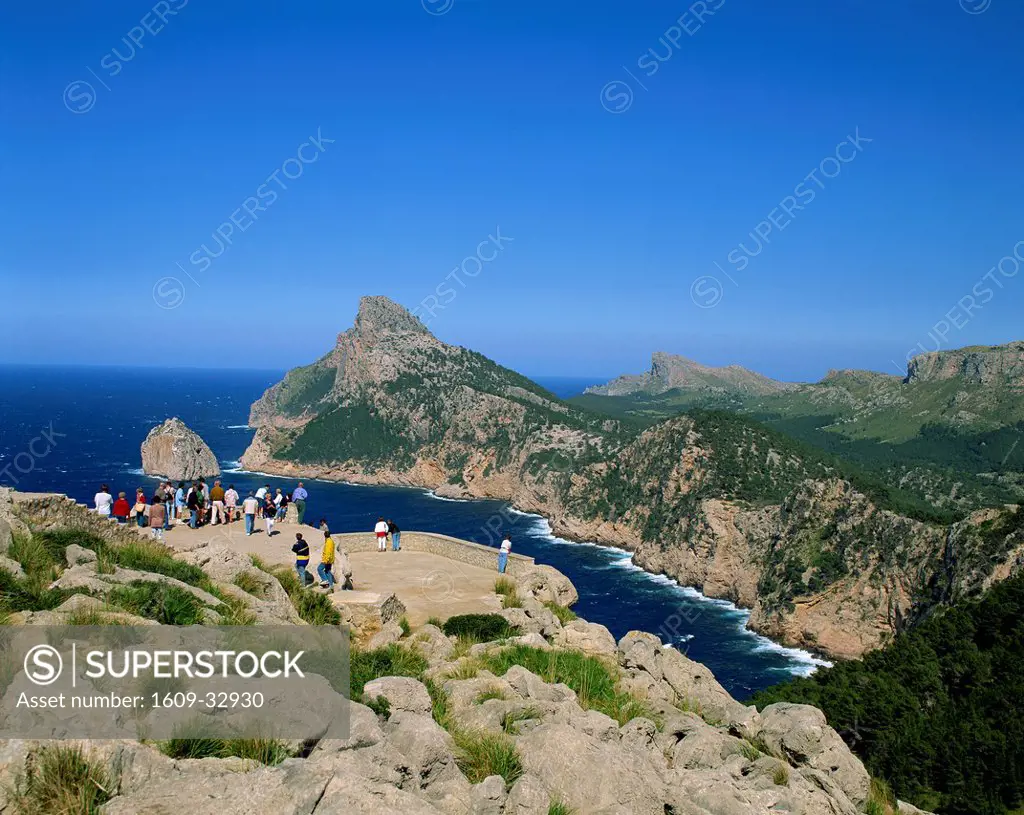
940	711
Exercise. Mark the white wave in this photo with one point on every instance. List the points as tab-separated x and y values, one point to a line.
230	466
436	497
804	663
237	427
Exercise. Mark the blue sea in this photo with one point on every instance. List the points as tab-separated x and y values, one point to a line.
71	429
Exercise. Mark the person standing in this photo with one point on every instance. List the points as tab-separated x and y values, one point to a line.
167	495
261	495
301	550
381	531
396	535
269	513
249	507
217	503
299	497
179	502
157	515
231	502
104	501
140	507
325	569
121	508
279	505
192	503
204	503
503	552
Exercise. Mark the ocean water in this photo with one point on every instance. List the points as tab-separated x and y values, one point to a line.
71	429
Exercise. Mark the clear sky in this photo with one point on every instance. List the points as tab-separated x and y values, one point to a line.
624	150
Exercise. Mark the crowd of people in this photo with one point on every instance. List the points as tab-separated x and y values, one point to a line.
197	504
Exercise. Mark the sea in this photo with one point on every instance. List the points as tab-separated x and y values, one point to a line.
71	429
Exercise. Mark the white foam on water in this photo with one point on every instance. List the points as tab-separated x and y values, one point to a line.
803	663
237	427
436	497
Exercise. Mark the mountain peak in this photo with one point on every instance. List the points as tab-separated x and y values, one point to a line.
671	372
379	315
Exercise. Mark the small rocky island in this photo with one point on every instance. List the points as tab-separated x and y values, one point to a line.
175	451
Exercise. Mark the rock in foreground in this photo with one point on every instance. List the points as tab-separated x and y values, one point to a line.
175	451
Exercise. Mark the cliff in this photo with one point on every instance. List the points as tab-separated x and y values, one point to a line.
715	500
176	452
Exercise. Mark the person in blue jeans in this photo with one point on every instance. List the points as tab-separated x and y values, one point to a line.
396	535
192	503
301	550
249	507
503	552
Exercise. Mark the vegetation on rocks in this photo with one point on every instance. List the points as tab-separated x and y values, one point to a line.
62	779
479	627
939	711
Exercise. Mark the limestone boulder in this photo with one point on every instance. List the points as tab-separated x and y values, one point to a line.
402	694
176	452
590	638
801	734
546	584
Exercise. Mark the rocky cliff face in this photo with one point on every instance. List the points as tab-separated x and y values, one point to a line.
977	365
671	372
718	502
174	451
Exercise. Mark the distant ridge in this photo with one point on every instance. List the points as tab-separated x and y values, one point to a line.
674	372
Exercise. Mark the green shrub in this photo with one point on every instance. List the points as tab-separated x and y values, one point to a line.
391	660
61	781
380	706
563	613
158	601
32	593
263	750
403	623
479	627
313	607
480	755
593	682
249	583
35	557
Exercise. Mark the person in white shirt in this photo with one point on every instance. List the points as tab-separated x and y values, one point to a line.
503	552
261	493
249	507
231	502
104	501
381	531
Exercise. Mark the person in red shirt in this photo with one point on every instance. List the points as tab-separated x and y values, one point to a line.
121	509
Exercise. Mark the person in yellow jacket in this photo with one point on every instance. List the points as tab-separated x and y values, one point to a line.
327	563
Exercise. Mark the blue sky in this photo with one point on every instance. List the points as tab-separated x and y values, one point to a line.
618	227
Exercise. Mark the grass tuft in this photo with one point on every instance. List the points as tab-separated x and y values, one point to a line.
158	601
262	750
564	614
594	683
391	660
61	780
558	807
480	755
403	623
249	583
435	621
781	775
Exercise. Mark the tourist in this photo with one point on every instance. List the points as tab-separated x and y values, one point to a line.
324	527
231	502
299	497
396	535
104	501
301	550
217	504
327	563
140	507
279	505
503	552
261	495
269	513
179	502
167	494
204	505
193	502
381	531
249	506
158	514
122	508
